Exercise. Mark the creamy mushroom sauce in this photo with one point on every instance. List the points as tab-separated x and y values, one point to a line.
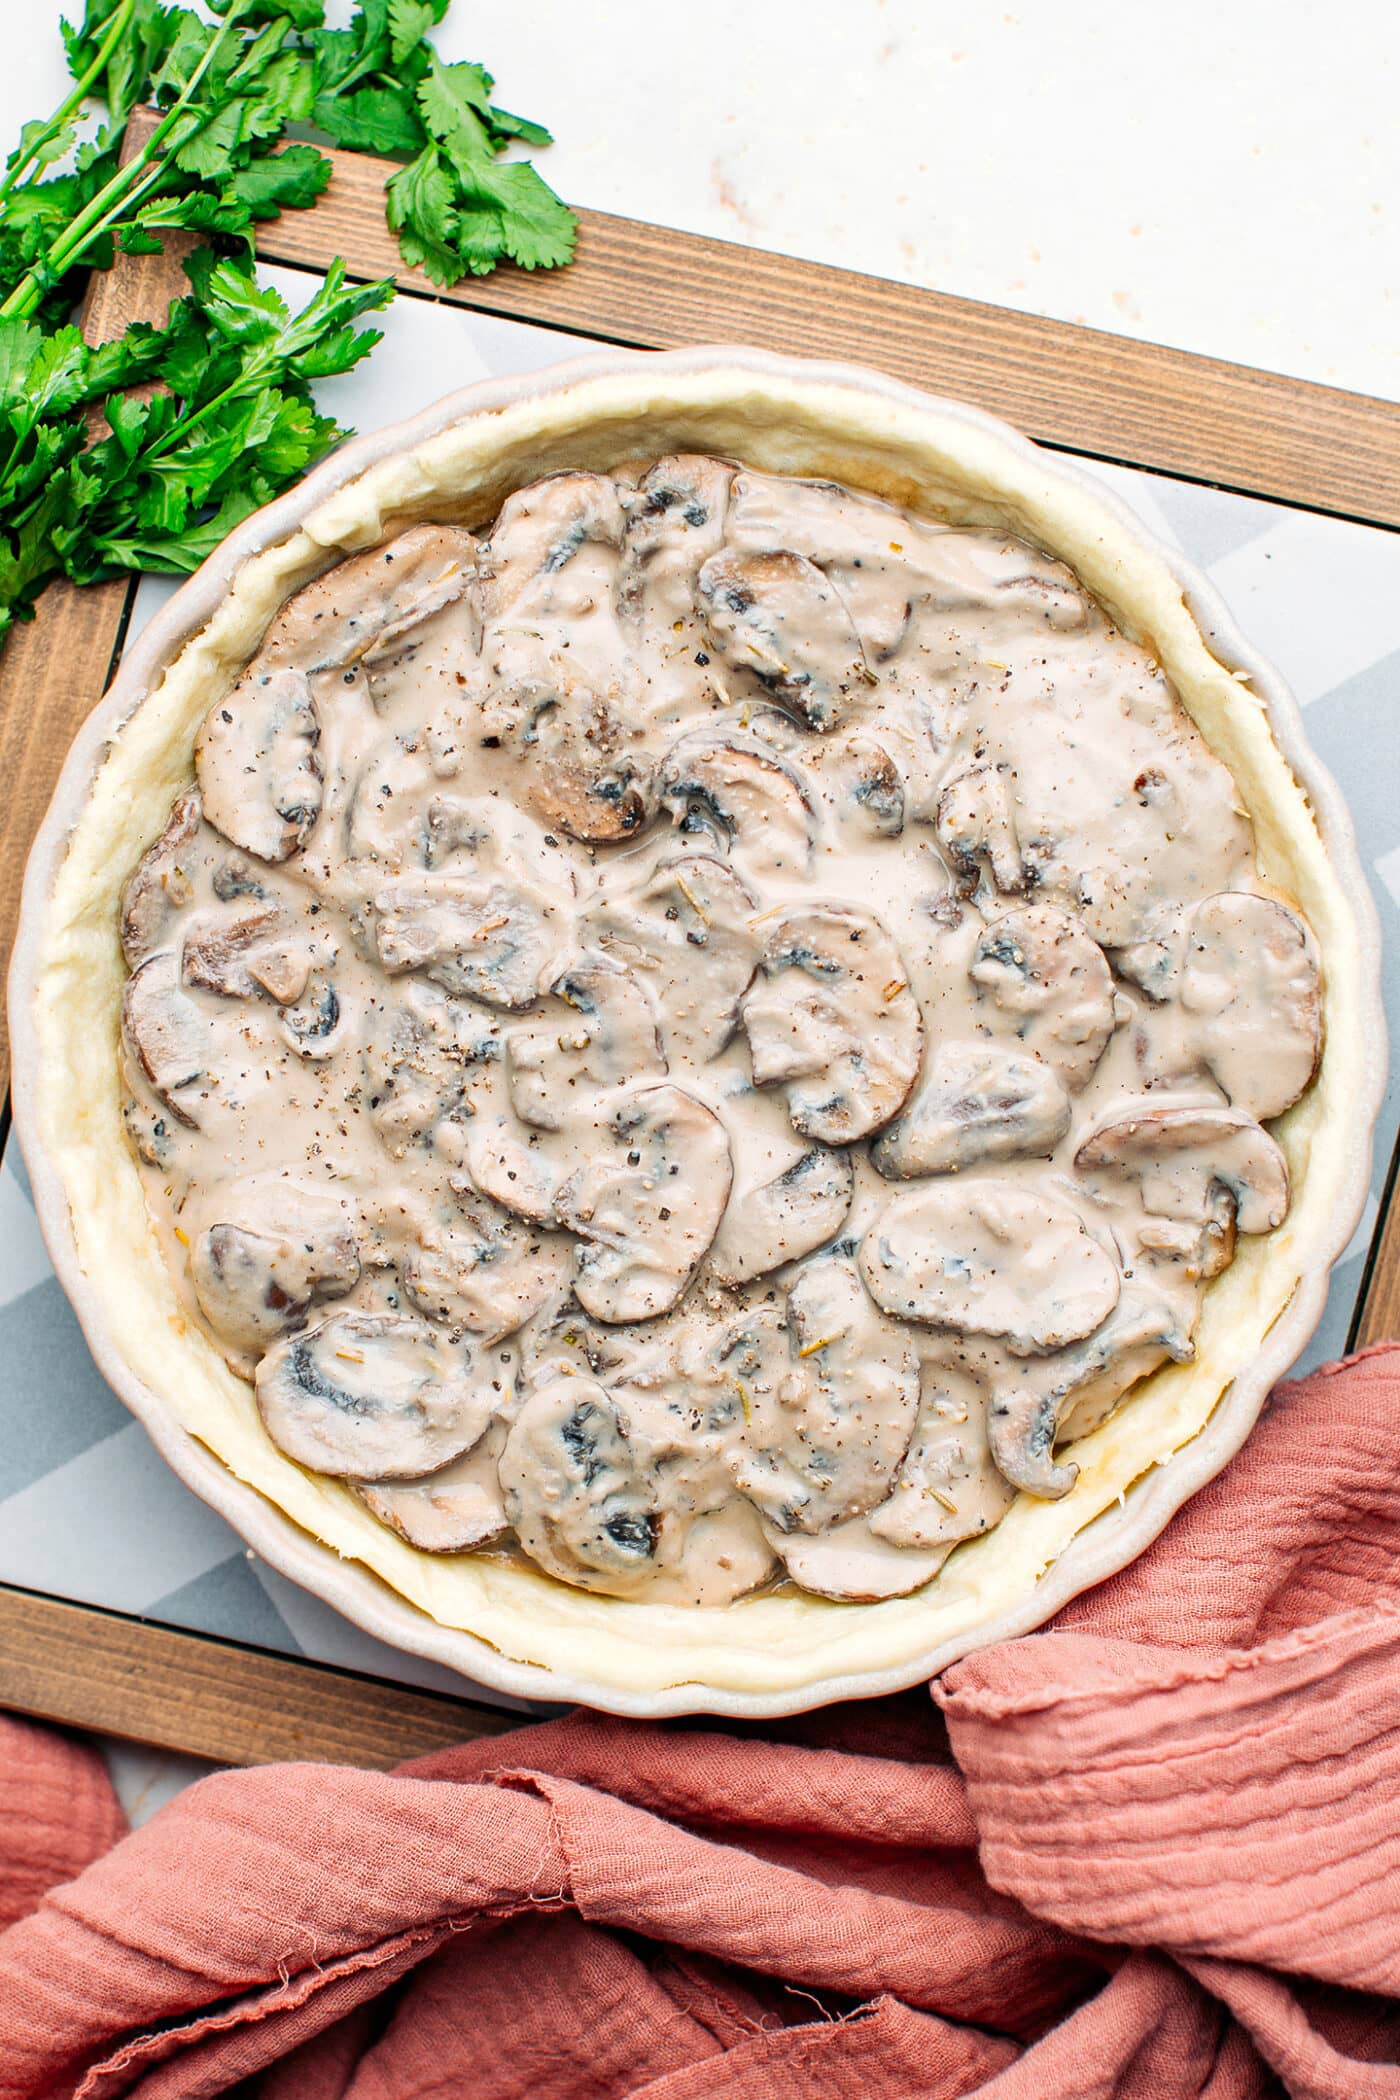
700	1033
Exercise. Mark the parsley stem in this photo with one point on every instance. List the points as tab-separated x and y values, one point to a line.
140	173
116	30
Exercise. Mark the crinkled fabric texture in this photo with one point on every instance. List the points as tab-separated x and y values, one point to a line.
1151	1852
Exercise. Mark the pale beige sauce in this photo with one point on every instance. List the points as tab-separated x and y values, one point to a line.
413	1048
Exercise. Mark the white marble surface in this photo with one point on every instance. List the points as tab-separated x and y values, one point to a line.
1221	177
1219	174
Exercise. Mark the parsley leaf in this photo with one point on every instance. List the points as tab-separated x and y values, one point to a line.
226	417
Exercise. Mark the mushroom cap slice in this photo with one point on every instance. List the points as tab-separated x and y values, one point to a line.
164	1031
1179	1152
239	954
455	1510
675	522
160	885
263	1250
947	1488
853	1563
990	1257
420	1054
872	784
789	1216
977	824
687	931
830	1393
777	616
610	1039
976	1102
364	605
485	1276
481	936
1249	981
537	560
1074	1390
576	1492
588	770
259	776
831	1018
1040	969
1021	1426
648	1205
502	1163
724	1554
373	1396
721	782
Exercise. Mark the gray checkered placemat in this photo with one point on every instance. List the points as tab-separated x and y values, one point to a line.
87	1509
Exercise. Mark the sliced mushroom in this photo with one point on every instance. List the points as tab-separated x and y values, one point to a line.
364	605
485	1275
828	1413
733	788
777	616
675	521
587	767
1179	1153
724	1555
1148	1327
563	1341
990	1257
373	1396
610	1039
831	1018
146	1121
263	1251
853	1563
160	885
1034	1405
1249	982
537	560
244	953
687	930
860	543
1040	969
977	824
234	879
947	1488
648	1206
259	776
503	1164
799	1210
475	935
456	1510
317	1024
576	1492
873	789
165	1033
976	1102
421	1056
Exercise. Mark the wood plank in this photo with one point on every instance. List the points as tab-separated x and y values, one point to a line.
1079	388
1377	1316
54	668
210	1698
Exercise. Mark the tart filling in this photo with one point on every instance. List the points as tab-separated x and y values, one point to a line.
696	1034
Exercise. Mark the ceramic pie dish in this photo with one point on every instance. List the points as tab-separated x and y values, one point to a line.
501	1621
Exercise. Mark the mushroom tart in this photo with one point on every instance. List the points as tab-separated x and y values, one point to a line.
704	1024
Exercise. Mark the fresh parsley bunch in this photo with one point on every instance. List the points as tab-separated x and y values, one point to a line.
229	422
95	478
